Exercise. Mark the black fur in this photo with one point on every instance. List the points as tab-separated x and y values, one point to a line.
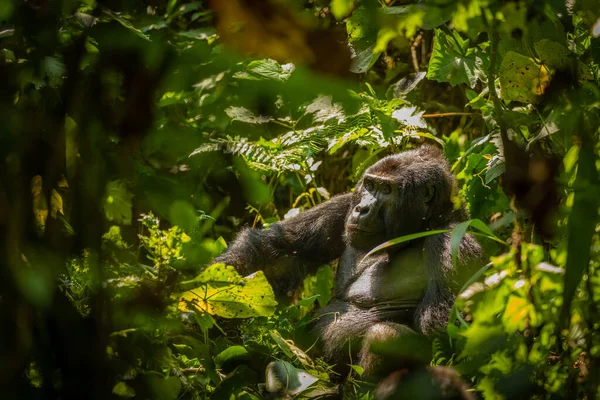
408	286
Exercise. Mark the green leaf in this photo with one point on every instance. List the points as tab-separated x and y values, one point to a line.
244	115
570	159
220	290
163	388
341	8
406	85
482	338
183	214
405	238
429	15
362	25
122	390
409	116
323	109
117	202
495	168
204	320
553	54
358	369
308	301
458	232
364	59
519	314
208	363
522	78
266	69
453	61
54	69
233	383
281	343
324	284
126	24
219	246
581	224
232	353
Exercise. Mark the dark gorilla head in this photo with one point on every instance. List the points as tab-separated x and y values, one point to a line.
401	194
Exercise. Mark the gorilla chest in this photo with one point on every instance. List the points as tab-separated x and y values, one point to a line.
381	277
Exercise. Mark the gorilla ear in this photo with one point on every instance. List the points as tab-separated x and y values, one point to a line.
428	193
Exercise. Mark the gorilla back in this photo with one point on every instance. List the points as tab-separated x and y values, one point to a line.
397	291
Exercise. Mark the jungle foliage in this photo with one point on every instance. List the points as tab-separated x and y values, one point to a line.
138	136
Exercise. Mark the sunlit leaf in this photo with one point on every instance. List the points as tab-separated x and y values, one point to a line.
453	61
519	314
410	116
220	290
244	115
341	8
522	78
267	69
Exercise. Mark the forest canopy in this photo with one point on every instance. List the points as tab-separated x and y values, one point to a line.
138	137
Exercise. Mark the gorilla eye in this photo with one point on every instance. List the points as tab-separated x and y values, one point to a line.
386	189
368	185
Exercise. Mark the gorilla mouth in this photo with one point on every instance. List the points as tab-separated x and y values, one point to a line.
356	228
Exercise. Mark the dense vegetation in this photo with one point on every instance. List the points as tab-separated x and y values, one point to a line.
138	136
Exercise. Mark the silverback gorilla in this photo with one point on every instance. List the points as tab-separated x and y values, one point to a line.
399	290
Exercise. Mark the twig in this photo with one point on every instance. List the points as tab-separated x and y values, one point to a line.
413	50
192	371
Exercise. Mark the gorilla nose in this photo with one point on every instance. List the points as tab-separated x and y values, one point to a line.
361	211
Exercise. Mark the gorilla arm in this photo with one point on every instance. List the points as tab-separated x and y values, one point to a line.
290	249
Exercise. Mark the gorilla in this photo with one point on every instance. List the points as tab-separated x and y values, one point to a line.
401	290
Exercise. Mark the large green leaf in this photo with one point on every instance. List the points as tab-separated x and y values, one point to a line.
522	78
220	290
453	61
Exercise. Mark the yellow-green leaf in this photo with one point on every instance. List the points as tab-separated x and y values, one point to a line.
122	390
56	204
220	290
522	78
519	312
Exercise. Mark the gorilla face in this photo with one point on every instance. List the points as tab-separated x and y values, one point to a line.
365	227
396	197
